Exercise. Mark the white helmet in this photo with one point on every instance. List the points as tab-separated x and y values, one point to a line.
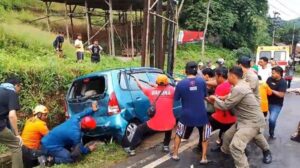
220	61
40	109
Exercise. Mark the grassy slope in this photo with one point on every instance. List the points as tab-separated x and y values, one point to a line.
37	53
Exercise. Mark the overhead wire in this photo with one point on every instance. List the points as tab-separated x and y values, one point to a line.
287	7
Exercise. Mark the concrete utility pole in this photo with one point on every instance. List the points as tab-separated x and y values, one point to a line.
293	48
205	29
276	14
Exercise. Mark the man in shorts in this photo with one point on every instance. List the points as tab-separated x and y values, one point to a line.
79	49
192	92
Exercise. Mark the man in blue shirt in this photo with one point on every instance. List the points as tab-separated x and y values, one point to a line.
68	135
192	92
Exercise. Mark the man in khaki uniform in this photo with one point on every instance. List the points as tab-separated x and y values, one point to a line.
250	120
251	78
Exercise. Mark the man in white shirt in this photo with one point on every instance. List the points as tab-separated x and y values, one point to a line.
264	70
79	48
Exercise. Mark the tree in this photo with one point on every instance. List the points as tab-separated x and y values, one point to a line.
238	23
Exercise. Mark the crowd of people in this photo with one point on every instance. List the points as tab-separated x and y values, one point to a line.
94	49
236	101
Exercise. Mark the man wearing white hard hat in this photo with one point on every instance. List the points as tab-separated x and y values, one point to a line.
220	62
35	128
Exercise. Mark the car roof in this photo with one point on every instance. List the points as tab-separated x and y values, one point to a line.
131	69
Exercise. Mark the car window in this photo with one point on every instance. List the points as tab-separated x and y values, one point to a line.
122	81
279	55
141	76
88	87
152	77
265	54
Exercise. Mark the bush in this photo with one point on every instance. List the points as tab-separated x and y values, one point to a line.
243	51
19	4
192	52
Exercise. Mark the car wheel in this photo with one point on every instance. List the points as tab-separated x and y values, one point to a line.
130	130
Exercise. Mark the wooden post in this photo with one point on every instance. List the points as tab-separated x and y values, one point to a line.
111	28
158	37
127	45
48	4
66	22
131	33
108	32
88	29
151	38
90	20
170	67
71	19
145	38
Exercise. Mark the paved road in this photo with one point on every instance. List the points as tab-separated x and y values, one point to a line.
286	153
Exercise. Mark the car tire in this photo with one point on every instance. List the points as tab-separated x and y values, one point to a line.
130	131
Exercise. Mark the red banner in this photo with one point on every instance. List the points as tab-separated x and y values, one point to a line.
186	36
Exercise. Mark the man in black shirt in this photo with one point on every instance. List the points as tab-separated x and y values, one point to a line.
57	44
9	104
95	50
278	86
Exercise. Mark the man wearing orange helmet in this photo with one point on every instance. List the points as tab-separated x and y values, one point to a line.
35	128
163	119
60	142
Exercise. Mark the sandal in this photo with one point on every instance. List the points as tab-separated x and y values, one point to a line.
205	162
295	138
175	158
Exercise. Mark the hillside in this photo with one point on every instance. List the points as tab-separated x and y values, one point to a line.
26	50
296	21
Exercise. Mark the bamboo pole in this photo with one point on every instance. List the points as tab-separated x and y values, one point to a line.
66	22
177	27
111	28
71	20
158	36
131	34
88	29
145	38
48	15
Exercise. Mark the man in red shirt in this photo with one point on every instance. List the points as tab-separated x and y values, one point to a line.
220	119
163	119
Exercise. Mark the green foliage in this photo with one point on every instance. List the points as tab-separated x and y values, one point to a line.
238	23
285	33
19	4
243	51
192	52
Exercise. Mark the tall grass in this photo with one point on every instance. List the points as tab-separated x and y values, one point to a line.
192	52
27	52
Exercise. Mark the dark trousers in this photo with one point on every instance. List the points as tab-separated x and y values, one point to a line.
30	157
289	81
144	129
95	58
63	155
217	125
